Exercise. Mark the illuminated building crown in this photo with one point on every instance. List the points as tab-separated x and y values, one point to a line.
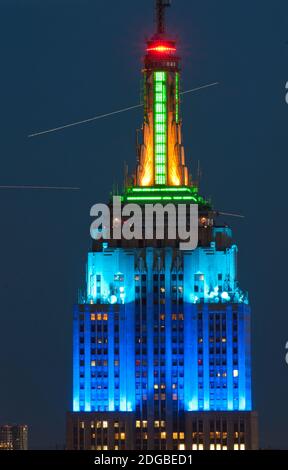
161	172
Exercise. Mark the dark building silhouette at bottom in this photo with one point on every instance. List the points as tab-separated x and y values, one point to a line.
13	437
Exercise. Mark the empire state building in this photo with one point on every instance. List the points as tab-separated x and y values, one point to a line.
161	336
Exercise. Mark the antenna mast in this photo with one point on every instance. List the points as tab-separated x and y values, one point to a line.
160	15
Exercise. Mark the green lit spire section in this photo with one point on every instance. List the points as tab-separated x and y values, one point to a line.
177	97
176	194
160	127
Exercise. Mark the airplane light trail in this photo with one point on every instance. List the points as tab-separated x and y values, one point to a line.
101	116
53	188
231	214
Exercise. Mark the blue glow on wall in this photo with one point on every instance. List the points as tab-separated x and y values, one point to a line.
216	318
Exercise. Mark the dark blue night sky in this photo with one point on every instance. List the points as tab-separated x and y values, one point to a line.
66	60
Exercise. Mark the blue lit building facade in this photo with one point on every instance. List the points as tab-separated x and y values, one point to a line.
162	336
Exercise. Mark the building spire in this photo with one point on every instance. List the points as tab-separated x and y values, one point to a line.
160	14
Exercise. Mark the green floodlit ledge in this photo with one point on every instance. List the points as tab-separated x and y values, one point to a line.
161	198
167	193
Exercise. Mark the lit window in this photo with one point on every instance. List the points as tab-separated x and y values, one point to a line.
156	424
93	363
175	435
218	447
159	76
163	435
122	436
93	316
194	447
181	447
201	447
224	340
155	386
181	435
99	424
105	424
105	317
144	424
159	108
82	425
116	448
160	118
212	446
242	446
235	373
105	447
99	316
224	448
236	446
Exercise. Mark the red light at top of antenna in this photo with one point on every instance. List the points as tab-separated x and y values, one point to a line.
161	48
